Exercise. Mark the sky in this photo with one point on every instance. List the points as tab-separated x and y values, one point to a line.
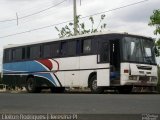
132	19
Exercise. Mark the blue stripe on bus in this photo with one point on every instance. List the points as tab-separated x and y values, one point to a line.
46	75
29	66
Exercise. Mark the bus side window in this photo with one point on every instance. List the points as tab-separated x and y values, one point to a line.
7	55
28	53
72	48
103	52
86	46
47	51
55	49
78	47
23	53
17	54
63	48
35	52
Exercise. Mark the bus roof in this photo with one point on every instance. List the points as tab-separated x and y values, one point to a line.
72	37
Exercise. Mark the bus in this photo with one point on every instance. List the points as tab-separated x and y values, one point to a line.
98	61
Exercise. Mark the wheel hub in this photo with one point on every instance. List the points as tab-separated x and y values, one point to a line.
94	85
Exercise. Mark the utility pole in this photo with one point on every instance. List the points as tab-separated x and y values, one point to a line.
75	17
17	18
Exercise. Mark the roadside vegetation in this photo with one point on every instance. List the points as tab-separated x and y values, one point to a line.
155	22
68	30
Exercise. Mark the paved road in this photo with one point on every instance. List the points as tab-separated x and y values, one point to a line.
80	103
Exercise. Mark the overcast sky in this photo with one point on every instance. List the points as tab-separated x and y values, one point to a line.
132	19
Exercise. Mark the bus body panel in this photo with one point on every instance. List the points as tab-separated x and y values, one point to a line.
72	74
142	69
103	77
36	68
90	63
138	74
68	72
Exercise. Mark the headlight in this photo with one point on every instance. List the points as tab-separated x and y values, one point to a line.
154	79
133	77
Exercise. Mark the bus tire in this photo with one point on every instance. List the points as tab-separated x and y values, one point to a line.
31	86
93	86
58	89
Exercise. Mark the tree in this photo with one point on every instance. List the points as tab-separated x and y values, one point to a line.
67	31
155	21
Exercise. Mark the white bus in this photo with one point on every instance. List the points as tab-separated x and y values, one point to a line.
98	61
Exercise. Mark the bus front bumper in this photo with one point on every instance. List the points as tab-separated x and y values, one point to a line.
138	83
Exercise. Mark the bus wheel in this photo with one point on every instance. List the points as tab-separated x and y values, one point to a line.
93	86
58	89
31	86
125	89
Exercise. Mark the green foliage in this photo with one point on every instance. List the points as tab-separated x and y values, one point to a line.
67	30
155	21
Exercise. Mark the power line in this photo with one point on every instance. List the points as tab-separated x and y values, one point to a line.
34	13
34	29
7	20
72	20
42	10
116	8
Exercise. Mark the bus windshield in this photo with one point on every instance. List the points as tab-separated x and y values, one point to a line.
138	50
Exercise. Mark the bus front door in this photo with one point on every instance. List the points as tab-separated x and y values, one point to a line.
115	62
103	73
